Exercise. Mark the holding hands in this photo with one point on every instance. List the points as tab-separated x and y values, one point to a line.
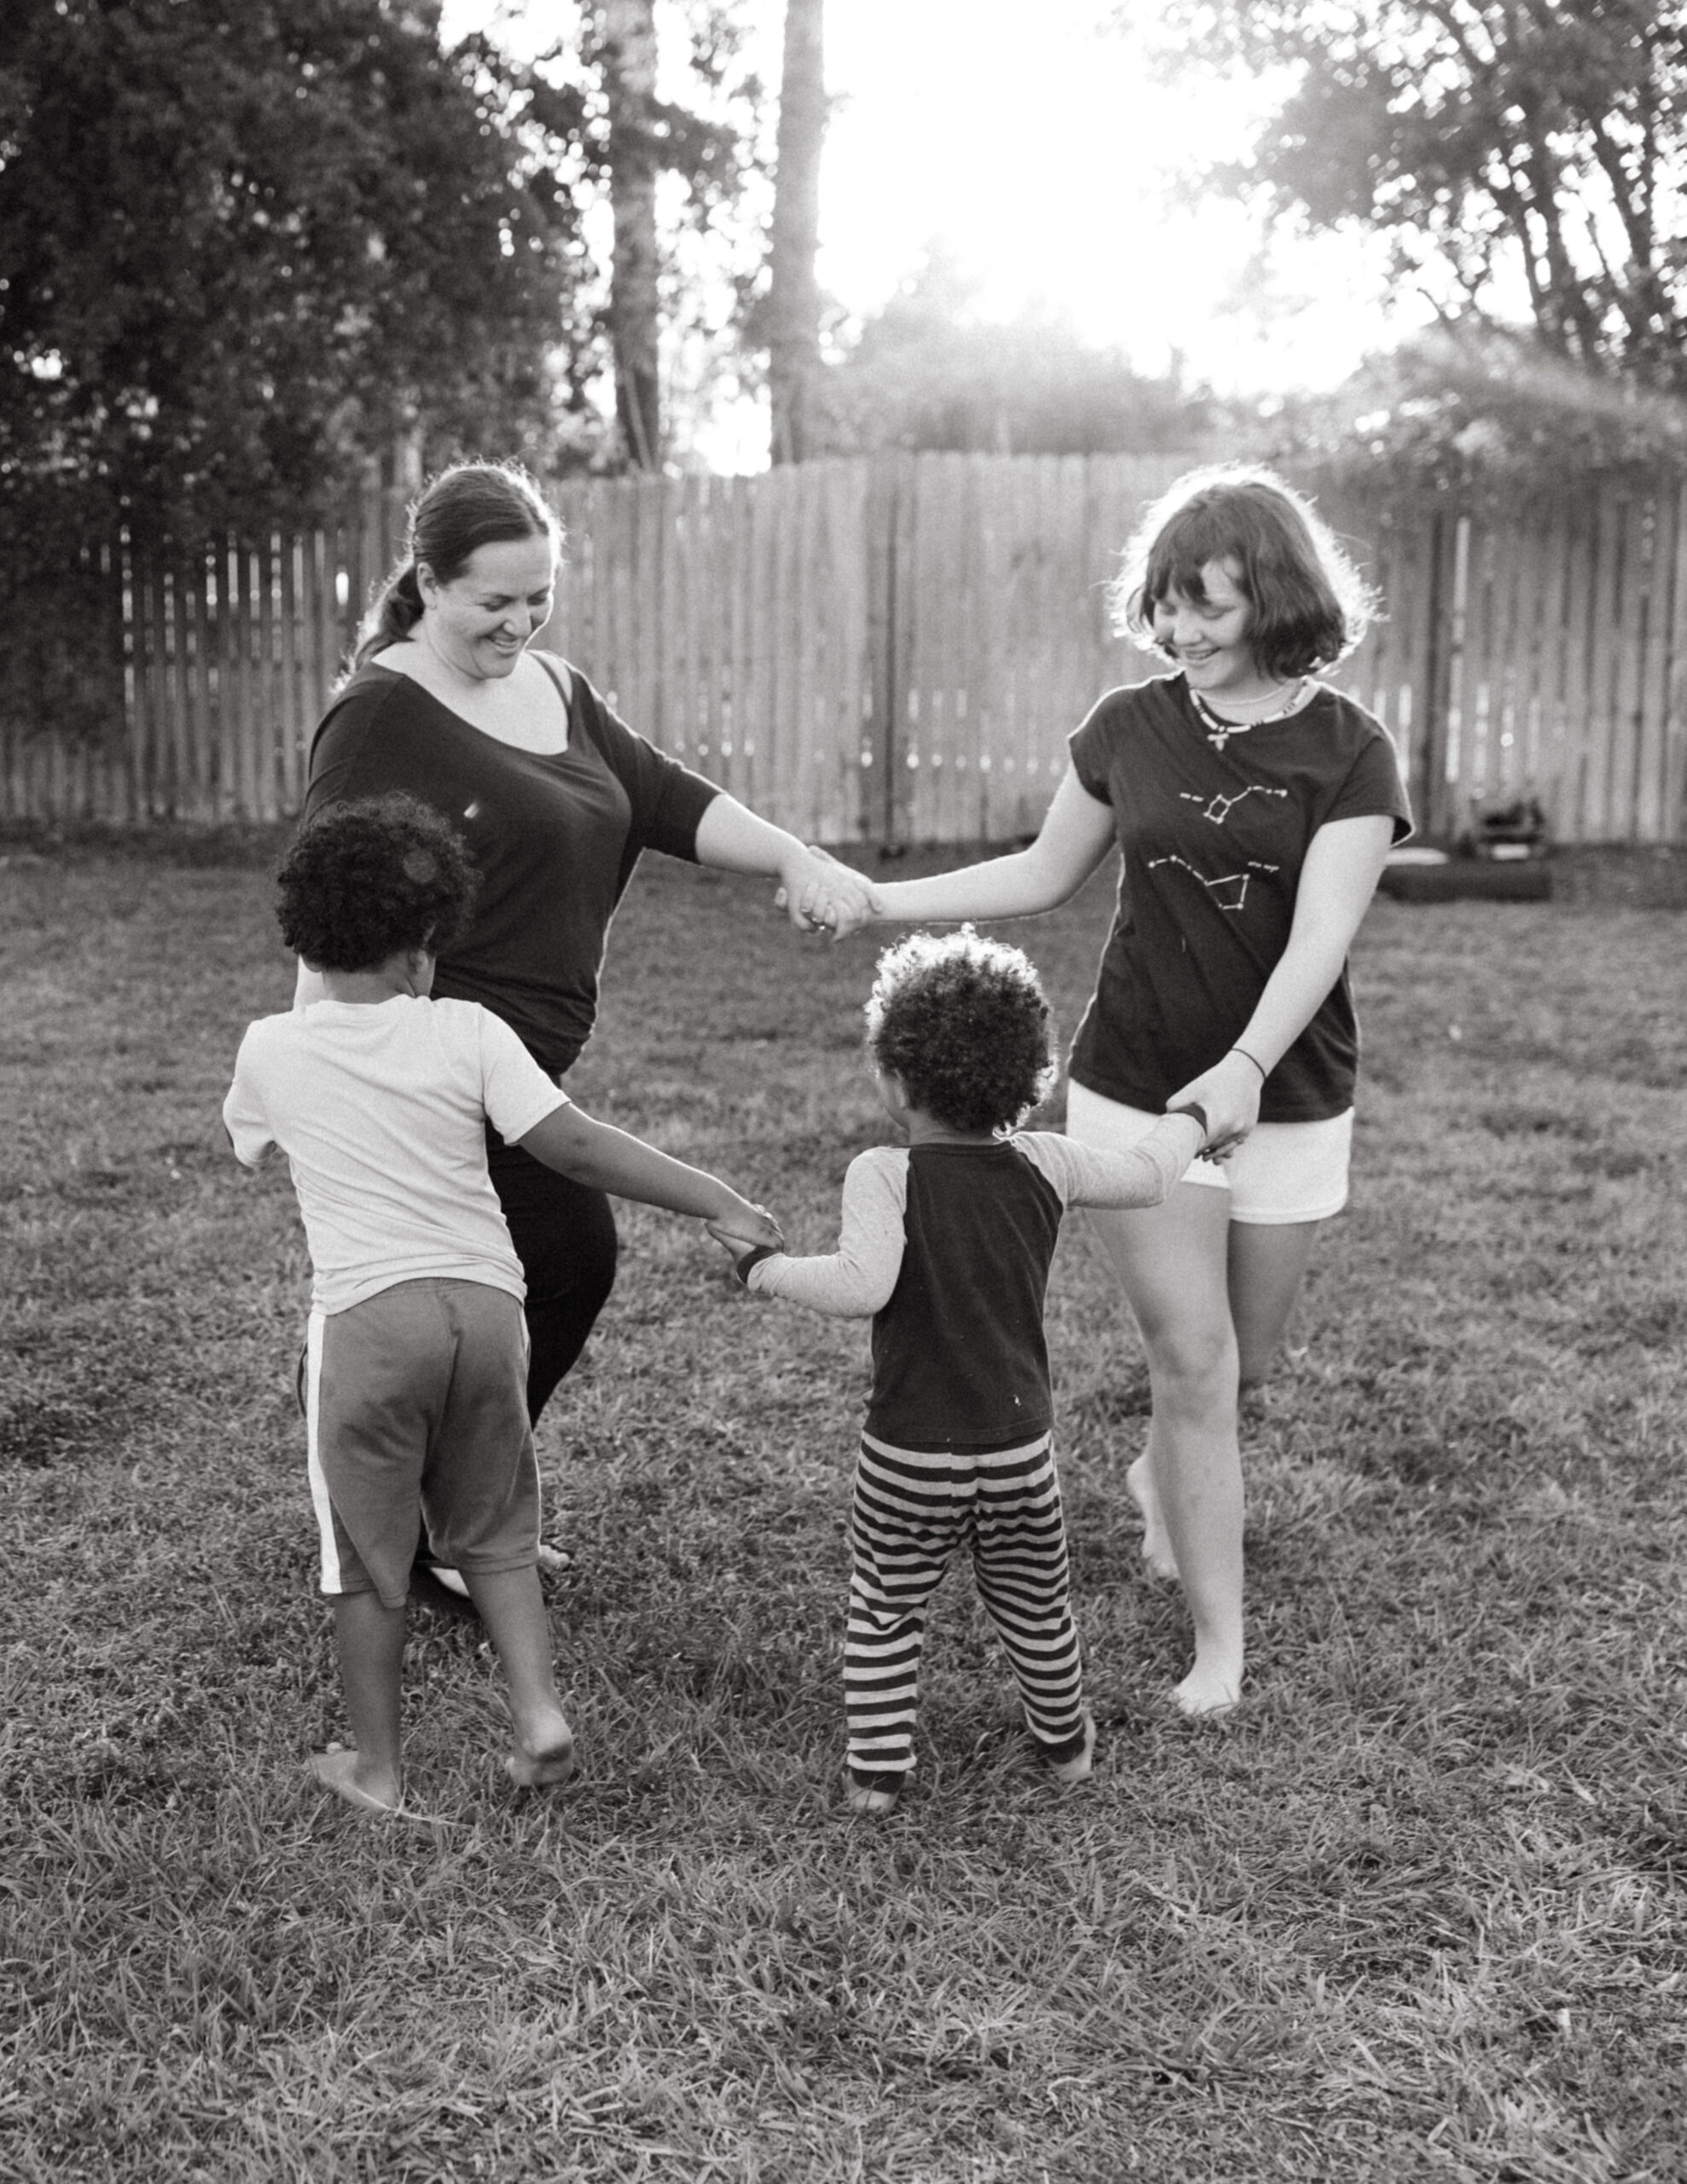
1229	1094
746	1228
820	893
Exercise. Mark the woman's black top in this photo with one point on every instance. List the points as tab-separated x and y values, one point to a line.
553	839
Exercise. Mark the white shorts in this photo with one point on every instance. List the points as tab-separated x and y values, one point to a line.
1280	1172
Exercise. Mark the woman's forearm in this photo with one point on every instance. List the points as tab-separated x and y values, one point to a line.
817	891
1013	886
733	839
1293	996
1343	863
1075	837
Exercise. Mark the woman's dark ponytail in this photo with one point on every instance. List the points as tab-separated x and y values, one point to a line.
471	505
394	611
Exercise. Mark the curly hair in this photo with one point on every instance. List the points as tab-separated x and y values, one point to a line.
367	880
962	1024
1310	606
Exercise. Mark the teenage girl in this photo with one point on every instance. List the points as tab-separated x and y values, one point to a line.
1254	807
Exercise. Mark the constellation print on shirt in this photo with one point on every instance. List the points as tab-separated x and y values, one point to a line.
1218	806
1230	890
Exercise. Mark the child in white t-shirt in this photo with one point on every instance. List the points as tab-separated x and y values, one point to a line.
415	1372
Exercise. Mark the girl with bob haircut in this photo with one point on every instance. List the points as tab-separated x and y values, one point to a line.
1311	607
1253	807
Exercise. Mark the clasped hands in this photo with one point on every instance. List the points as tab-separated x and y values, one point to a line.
1229	1095
822	894
751	1230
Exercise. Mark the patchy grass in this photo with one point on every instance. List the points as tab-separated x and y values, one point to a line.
1416	1912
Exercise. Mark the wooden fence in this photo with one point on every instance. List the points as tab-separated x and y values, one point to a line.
897	648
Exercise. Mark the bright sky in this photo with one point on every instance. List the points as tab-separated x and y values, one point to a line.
1039	150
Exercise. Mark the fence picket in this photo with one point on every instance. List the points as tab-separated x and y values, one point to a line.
899	646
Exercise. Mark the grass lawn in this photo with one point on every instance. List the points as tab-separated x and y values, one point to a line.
1415	1912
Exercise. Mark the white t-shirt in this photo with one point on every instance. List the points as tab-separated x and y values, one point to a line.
380	1109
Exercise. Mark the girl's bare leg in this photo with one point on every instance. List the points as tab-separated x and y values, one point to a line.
1172	1261
1267	1265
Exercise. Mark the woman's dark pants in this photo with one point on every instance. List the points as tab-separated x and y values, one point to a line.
563	1234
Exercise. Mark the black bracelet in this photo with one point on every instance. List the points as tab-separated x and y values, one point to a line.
1195	1114
741	1267
1246	1056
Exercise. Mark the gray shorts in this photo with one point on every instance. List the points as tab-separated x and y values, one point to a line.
415	1403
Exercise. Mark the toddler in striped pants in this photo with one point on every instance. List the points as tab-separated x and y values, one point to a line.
945	1243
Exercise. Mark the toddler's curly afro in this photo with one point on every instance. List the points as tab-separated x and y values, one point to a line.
963	1023
367	880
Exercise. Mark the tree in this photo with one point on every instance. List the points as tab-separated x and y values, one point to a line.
627	54
793	301
671	261
1544	139
242	248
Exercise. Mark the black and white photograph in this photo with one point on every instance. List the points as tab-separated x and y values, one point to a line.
843	1031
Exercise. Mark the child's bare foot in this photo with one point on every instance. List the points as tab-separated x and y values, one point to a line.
1209	1688
1156	1545
544	1758
1076	1758
873	1794
371	1789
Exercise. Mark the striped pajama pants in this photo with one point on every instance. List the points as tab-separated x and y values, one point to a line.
910	1510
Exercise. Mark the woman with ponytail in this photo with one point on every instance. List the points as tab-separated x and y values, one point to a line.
555	799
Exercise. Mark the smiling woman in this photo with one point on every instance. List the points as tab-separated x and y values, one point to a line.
555	800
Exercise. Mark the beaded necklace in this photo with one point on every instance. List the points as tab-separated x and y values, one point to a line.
1220	730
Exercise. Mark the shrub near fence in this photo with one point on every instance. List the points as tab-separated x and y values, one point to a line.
897	648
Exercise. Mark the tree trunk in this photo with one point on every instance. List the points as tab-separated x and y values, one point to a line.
793	292
628	54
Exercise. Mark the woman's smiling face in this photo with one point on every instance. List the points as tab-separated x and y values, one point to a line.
481	621
1209	637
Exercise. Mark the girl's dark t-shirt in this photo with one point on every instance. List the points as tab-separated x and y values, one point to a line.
1214	830
555	840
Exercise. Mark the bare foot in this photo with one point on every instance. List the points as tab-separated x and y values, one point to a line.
1078	1767
544	1758
370	1789
1156	1545
873	1794
1206	1691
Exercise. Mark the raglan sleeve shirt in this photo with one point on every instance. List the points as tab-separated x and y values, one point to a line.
1086	1174
856	1280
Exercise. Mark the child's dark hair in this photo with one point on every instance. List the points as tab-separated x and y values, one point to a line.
473	504
962	1022
1310	604
364	880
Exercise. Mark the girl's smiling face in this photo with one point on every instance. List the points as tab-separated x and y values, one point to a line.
480	622
1207	637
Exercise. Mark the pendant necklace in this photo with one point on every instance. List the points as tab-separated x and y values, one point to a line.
1220	730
